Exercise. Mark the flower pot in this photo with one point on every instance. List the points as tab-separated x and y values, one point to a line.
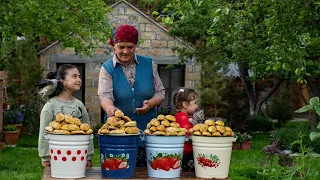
235	146
18	128
11	137
245	145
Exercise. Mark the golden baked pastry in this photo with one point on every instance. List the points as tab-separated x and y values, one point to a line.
78	132
105	126
227	133
121	122
209	122
147	131
112	128
122	127
77	121
90	131
197	133
49	128
59	117
130	124
228	129
221	129
216	134
84	127
63	123
212	129
118	113
55	125
165	123
174	124
172	133
68	118
153	128
181	133
161	128
171	129
132	130
158	133
155	122
117	131
160	117
170	118
196	127
148	126
203	128
220	123
61	132
113	121
206	134
103	131
126	118
70	127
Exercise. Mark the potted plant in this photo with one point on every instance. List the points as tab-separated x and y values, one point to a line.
14	118
10	134
236	145
246	141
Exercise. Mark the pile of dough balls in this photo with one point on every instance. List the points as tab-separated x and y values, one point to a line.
66	124
119	124
211	128
165	126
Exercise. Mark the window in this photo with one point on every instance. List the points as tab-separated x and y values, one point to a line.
172	79
81	67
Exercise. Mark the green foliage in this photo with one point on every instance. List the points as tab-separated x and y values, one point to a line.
280	107
258	123
212	85
10	128
314	105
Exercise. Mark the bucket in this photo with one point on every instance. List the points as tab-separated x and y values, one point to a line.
164	156
68	155
118	155
212	156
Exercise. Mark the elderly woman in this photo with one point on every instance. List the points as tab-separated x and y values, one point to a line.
130	82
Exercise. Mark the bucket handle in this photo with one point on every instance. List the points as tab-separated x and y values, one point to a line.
142	136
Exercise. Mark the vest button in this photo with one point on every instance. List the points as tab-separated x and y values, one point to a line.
133	100
132	89
134	111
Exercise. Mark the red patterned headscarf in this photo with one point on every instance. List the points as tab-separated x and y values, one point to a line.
124	33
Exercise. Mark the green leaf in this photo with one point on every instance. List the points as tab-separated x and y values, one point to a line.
304	109
308	74
314	136
310	62
165	9
155	13
268	68
314	101
318	127
317	109
285	66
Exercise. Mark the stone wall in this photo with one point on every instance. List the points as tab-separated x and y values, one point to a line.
156	43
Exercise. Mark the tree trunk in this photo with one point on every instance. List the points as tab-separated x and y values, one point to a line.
254	101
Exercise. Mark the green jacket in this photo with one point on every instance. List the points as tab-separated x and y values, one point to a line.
48	113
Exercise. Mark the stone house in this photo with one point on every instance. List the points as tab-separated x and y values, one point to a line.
156	44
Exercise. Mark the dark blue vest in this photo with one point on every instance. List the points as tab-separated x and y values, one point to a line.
127	97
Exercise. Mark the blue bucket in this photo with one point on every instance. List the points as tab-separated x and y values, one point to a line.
118	155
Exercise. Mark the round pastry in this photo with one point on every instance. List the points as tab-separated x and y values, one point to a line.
49	128
121	122
63	123
90	131
161	128
132	130
197	127
209	122
165	123
221	129
147	131
61	132
148	126
153	128
206	134
70	127
126	118
216	134
59	117
68	118
160	117
174	124
130	124
84	127
159	133
103	131
76	121
197	133
212	129
117	131
78	132
118	113
182	133
112	128
170	118
220	123
228	129
55	125
155	122
204	128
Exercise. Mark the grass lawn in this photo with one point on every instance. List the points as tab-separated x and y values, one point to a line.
23	162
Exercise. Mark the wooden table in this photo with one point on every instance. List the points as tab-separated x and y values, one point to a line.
140	173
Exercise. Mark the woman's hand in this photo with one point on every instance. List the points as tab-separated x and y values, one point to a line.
89	163
145	108
46	164
110	110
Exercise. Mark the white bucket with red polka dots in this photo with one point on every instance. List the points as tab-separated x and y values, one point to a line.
68	155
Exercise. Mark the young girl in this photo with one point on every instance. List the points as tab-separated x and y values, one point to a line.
63	102
185	101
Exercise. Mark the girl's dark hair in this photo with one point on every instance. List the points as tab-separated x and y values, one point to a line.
184	95
61	74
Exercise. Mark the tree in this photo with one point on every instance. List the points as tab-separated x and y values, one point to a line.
269	38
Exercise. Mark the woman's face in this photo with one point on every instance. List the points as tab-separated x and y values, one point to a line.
72	81
125	51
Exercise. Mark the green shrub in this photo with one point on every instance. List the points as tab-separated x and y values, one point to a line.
10	128
280	107
258	123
